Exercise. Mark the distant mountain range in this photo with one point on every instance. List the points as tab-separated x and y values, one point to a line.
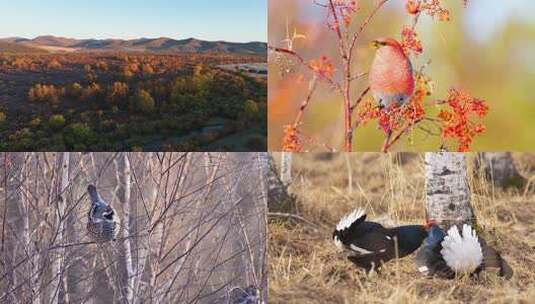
156	45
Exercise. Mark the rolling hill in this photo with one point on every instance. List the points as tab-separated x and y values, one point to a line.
10	47
156	45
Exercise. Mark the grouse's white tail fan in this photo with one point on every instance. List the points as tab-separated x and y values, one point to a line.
462	253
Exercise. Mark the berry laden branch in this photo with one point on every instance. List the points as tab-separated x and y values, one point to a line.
396	101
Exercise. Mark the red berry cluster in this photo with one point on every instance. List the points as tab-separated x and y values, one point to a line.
410	41
459	121
291	141
430	7
345	9
322	67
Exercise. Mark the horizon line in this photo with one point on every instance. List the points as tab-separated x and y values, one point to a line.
129	38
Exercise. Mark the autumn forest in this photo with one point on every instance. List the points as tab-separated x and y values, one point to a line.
133	101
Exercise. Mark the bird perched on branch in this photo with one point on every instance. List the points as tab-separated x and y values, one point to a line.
391	78
459	251
103	222
370	244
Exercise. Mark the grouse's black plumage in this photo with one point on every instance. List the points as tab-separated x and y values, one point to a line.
102	220
429	260
370	244
458	251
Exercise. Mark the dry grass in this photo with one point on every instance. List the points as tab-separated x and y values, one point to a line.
305	266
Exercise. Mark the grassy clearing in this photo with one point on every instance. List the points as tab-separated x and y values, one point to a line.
306	267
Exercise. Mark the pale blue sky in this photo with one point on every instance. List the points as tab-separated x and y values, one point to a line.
231	20
485	17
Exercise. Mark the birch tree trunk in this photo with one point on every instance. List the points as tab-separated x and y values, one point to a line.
31	270
139	244
24	212
286	168
278	197
58	294
499	169
447	189
74	273
7	244
127	227
263	164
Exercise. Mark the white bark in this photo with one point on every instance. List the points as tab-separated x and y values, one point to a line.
58	283
25	219
8	246
263	164
277	191
76	288
127	227
447	189
31	272
286	168
155	240
144	249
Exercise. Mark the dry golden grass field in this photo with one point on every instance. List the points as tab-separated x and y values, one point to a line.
306	267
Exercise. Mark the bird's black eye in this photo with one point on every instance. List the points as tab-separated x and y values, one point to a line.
109	215
401	99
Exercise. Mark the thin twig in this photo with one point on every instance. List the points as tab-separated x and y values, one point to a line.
331	82
363	26
296	217
389	143
306	101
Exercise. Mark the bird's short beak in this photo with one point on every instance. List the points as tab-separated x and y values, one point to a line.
376	44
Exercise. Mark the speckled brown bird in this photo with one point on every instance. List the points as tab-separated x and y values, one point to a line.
102	221
391	78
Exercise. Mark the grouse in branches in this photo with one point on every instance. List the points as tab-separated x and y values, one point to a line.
369	244
103	222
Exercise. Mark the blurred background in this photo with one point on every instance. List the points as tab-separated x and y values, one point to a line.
486	49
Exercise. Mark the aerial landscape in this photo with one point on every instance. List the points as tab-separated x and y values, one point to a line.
130	93
145	94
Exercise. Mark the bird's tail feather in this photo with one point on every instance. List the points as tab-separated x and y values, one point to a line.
351	218
462	253
493	259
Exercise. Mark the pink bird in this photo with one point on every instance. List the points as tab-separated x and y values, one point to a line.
391	78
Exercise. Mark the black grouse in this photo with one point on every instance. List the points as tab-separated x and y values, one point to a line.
459	251
370	244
